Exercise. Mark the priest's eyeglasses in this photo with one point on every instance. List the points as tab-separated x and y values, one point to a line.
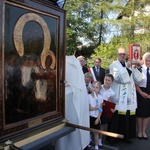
121	54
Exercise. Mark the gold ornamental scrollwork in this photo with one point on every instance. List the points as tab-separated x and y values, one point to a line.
18	41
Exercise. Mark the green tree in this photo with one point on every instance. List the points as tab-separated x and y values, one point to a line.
134	29
93	21
105	51
85	21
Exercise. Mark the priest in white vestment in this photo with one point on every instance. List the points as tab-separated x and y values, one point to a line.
76	107
125	75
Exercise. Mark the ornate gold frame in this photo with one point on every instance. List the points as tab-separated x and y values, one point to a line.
42	13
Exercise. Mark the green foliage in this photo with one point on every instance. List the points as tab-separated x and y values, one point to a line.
85	19
90	21
107	53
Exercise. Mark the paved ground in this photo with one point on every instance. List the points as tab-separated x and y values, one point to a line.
135	145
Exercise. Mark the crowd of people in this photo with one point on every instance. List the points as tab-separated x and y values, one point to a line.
127	86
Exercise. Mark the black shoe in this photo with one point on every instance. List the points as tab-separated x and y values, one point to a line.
100	146
139	138
91	145
145	138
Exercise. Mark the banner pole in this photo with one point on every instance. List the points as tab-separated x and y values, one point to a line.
111	134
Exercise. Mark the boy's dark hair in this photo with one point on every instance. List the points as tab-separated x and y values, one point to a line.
110	75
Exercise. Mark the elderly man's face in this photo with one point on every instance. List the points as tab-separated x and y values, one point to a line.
82	61
121	55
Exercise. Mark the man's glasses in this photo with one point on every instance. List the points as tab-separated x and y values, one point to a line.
121	54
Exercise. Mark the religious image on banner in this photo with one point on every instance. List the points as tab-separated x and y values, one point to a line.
135	53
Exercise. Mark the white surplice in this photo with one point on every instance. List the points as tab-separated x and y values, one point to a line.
76	107
124	88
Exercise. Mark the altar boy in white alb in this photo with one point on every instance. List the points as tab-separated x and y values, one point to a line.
125	76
